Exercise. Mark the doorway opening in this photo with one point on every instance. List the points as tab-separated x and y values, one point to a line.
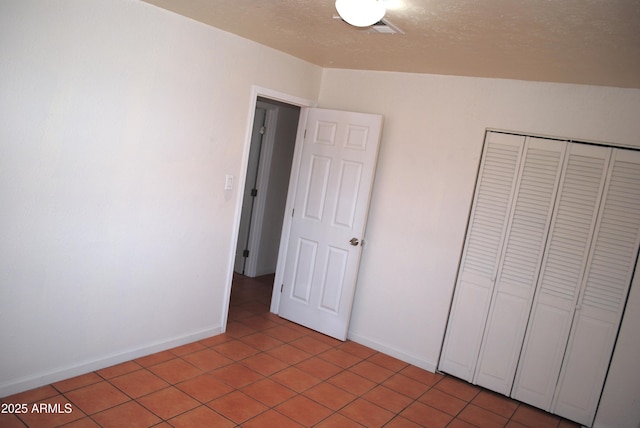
264	197
330	172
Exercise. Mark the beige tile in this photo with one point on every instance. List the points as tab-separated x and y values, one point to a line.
168	402
237	406
97	397
133	413
367	413
303	410
138	383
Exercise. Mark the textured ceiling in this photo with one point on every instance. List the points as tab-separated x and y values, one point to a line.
593	42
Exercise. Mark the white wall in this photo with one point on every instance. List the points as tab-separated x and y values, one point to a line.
118	123
431	145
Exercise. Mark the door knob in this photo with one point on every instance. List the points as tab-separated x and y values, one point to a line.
354	242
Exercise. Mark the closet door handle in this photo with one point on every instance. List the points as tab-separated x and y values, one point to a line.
354	242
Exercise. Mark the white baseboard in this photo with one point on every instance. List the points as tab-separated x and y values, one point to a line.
393	352
46	378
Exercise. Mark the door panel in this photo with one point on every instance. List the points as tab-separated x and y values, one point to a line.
350	182
546	339
610	269
304	262
479	263
316	192
561	274
333	279
331	204
585	365
464	332
520	263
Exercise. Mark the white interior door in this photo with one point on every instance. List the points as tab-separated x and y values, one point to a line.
606	282
246	215
561	274
520	263
486	232
332	196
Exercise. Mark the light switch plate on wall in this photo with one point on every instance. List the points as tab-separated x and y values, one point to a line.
228	182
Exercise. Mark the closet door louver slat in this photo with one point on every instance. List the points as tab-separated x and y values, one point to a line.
561	274
520	263
608	276
485	235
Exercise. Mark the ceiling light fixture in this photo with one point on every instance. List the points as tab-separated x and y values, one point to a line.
361	13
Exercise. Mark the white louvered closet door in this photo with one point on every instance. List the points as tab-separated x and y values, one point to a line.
549	255
485	237
561	274
606	283
520	263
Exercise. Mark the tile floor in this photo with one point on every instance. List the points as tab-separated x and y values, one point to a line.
268	372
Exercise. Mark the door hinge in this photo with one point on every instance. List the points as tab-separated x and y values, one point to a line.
293	211
281	287
305	134
254	192
245	253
